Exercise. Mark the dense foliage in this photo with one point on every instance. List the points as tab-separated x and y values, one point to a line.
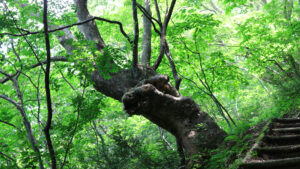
238	59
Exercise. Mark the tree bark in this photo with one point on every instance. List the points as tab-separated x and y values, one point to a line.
152	96
146	53
157	100
47	89
135	44
89	29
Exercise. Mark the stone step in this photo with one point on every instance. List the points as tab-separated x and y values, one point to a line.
286	163
287	120
278	152
280	125
278	148
290	130
282	139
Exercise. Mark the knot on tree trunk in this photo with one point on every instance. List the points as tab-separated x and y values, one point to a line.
156	99
161	83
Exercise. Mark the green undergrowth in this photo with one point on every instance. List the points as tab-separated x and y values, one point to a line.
237	144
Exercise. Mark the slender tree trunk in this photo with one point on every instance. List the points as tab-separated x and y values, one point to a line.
146	53
20	107
47	90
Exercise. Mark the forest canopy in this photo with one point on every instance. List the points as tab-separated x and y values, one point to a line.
143	83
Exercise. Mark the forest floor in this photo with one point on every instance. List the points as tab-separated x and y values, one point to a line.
277	147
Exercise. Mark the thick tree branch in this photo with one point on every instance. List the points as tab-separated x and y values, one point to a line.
136	35
165	45
122	81
168	17
162	51
163	41
154	100
158	12
90	29
66	39
173	67
47	89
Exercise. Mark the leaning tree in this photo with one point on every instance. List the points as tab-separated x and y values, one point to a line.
139	87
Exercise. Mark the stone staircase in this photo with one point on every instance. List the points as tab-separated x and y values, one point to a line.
278	147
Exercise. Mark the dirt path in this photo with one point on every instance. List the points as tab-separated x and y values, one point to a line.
278	147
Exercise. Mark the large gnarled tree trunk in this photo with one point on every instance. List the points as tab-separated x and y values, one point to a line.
144	92
157	100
